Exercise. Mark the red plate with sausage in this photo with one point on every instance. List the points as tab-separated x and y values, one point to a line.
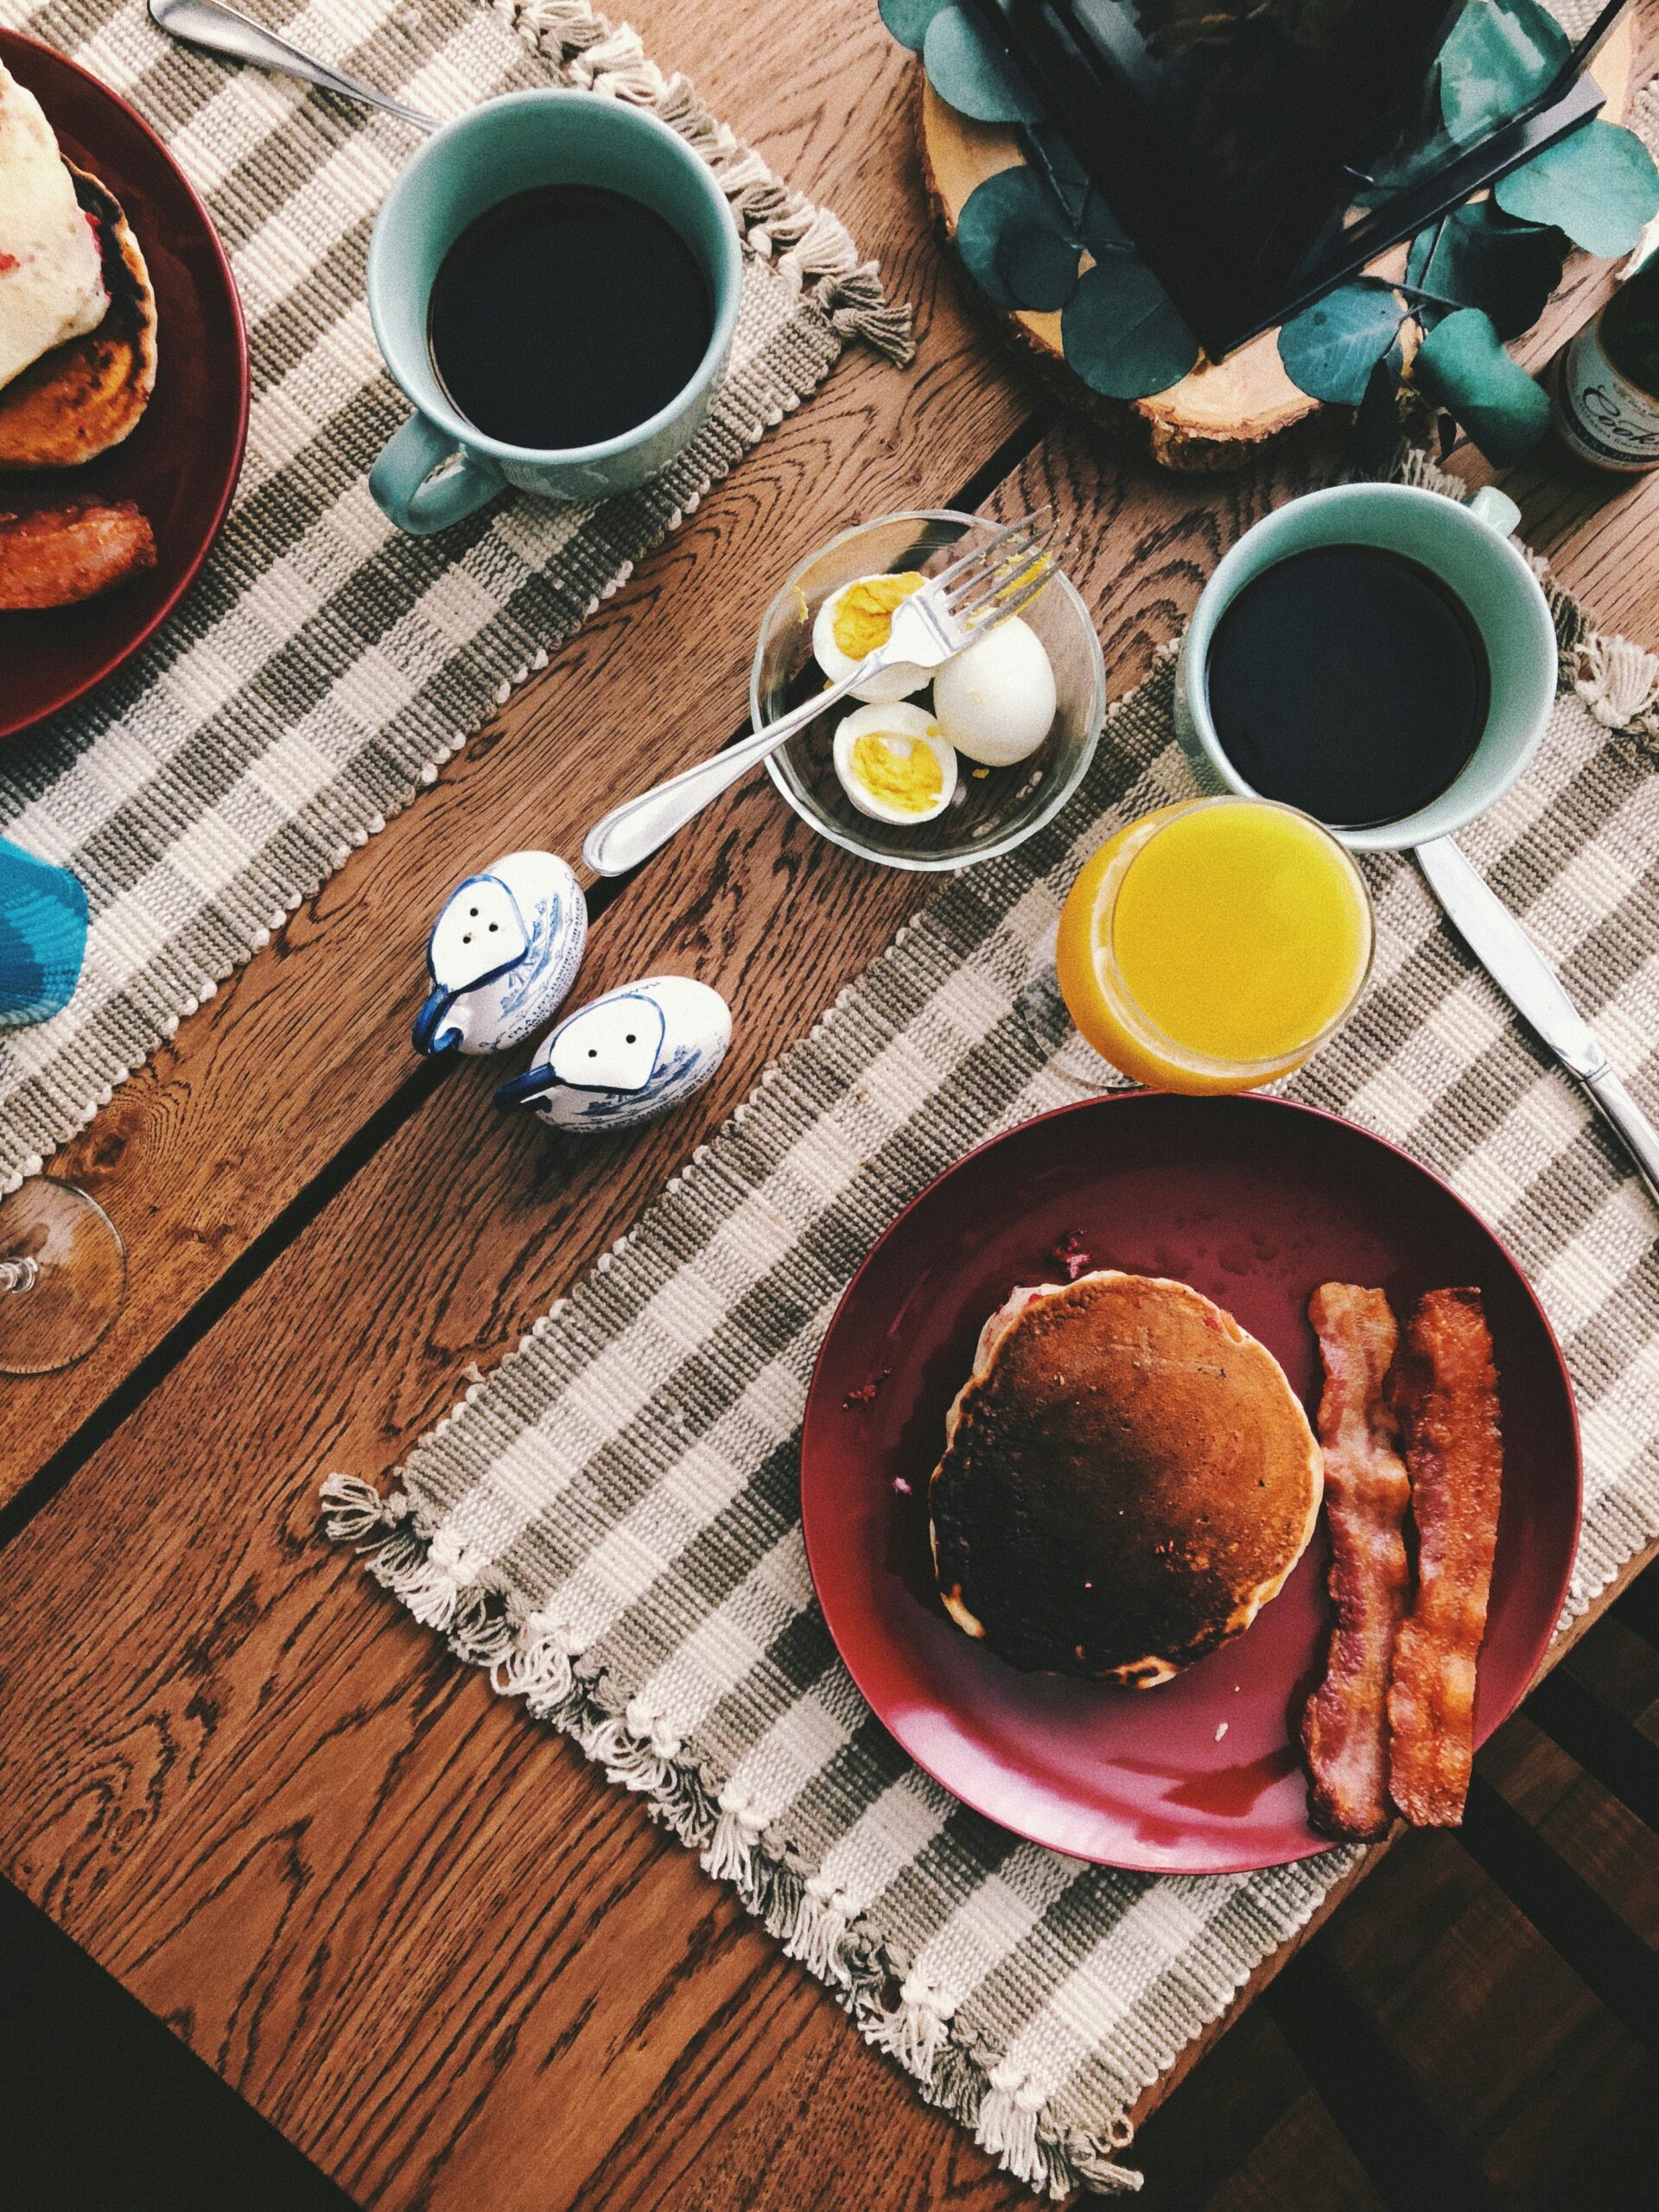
179	466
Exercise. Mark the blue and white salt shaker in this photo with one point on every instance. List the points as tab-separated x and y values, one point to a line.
503	953
630	1056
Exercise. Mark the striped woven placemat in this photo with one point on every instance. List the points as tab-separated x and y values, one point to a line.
323	666
610	1525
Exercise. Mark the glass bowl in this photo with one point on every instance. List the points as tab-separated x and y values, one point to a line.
991	812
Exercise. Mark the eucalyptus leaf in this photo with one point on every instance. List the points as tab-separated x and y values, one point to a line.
908	20
1500	56
1120	332
1463	366
1480	258
1038	267
1597	184
970	72
1014	203
1378	432
1331	348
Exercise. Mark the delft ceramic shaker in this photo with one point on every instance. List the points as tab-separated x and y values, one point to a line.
631	1055
504	951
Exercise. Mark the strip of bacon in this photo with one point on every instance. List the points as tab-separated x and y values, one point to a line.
1345	1726
1444	1392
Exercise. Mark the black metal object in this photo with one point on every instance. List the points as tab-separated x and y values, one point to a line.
1244	221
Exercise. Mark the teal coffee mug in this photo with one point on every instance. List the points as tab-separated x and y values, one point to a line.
439	467
1470	549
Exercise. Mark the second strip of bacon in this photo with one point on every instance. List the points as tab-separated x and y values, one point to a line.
1444	1392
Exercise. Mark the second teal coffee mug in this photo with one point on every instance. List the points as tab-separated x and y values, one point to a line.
439	467
1469	548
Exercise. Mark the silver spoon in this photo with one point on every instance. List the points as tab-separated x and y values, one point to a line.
221	31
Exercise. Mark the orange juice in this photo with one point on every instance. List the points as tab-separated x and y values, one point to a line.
1212	944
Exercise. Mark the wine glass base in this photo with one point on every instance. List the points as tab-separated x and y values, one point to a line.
75	1283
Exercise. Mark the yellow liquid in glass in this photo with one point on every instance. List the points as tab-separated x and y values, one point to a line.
1209	946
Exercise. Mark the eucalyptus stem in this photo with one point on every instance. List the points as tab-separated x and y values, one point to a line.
1415	292
1411	292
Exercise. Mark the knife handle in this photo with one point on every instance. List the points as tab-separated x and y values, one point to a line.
1640	1138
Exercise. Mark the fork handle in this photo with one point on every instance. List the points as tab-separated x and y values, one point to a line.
634	831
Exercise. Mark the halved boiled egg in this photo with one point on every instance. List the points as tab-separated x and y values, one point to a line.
995	700
893	764
854	621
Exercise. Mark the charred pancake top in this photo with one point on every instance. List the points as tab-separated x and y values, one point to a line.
1128	1476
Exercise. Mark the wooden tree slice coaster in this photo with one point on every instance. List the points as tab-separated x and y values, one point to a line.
1224	413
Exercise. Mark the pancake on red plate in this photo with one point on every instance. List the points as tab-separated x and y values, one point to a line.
1128	1478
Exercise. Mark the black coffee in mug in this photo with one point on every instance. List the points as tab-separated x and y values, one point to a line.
566	315
1350	682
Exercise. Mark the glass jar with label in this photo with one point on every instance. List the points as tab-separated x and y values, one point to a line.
1606	380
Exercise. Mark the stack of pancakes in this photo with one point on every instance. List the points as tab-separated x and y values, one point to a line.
1128	1478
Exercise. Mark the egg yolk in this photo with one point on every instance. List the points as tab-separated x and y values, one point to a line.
864	616
910	781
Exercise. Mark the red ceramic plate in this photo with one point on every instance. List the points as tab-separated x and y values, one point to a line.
180	464
1253	1201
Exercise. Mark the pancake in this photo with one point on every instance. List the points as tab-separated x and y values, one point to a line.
1128	1477
82	398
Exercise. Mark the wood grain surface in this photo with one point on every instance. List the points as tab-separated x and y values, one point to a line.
443	1957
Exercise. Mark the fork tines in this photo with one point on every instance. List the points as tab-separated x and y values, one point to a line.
1006	573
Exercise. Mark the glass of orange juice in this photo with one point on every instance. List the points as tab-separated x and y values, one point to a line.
1214	944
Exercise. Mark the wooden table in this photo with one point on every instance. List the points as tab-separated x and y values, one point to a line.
422	1937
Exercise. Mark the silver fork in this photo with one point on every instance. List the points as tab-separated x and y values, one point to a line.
1002	573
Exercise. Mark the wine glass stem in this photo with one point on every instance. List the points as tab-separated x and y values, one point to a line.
18	1274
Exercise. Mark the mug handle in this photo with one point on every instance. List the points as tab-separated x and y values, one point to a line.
1496	510
403	487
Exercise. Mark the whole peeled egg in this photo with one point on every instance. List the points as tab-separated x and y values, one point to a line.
994	701
856	619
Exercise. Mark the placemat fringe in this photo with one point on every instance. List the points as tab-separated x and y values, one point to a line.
814	1922
202	821
807	244
674	1636
1619	683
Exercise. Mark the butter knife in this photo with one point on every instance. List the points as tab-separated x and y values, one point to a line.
1518	968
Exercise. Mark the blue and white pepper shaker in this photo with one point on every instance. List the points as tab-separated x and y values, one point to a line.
503	953
631	1055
